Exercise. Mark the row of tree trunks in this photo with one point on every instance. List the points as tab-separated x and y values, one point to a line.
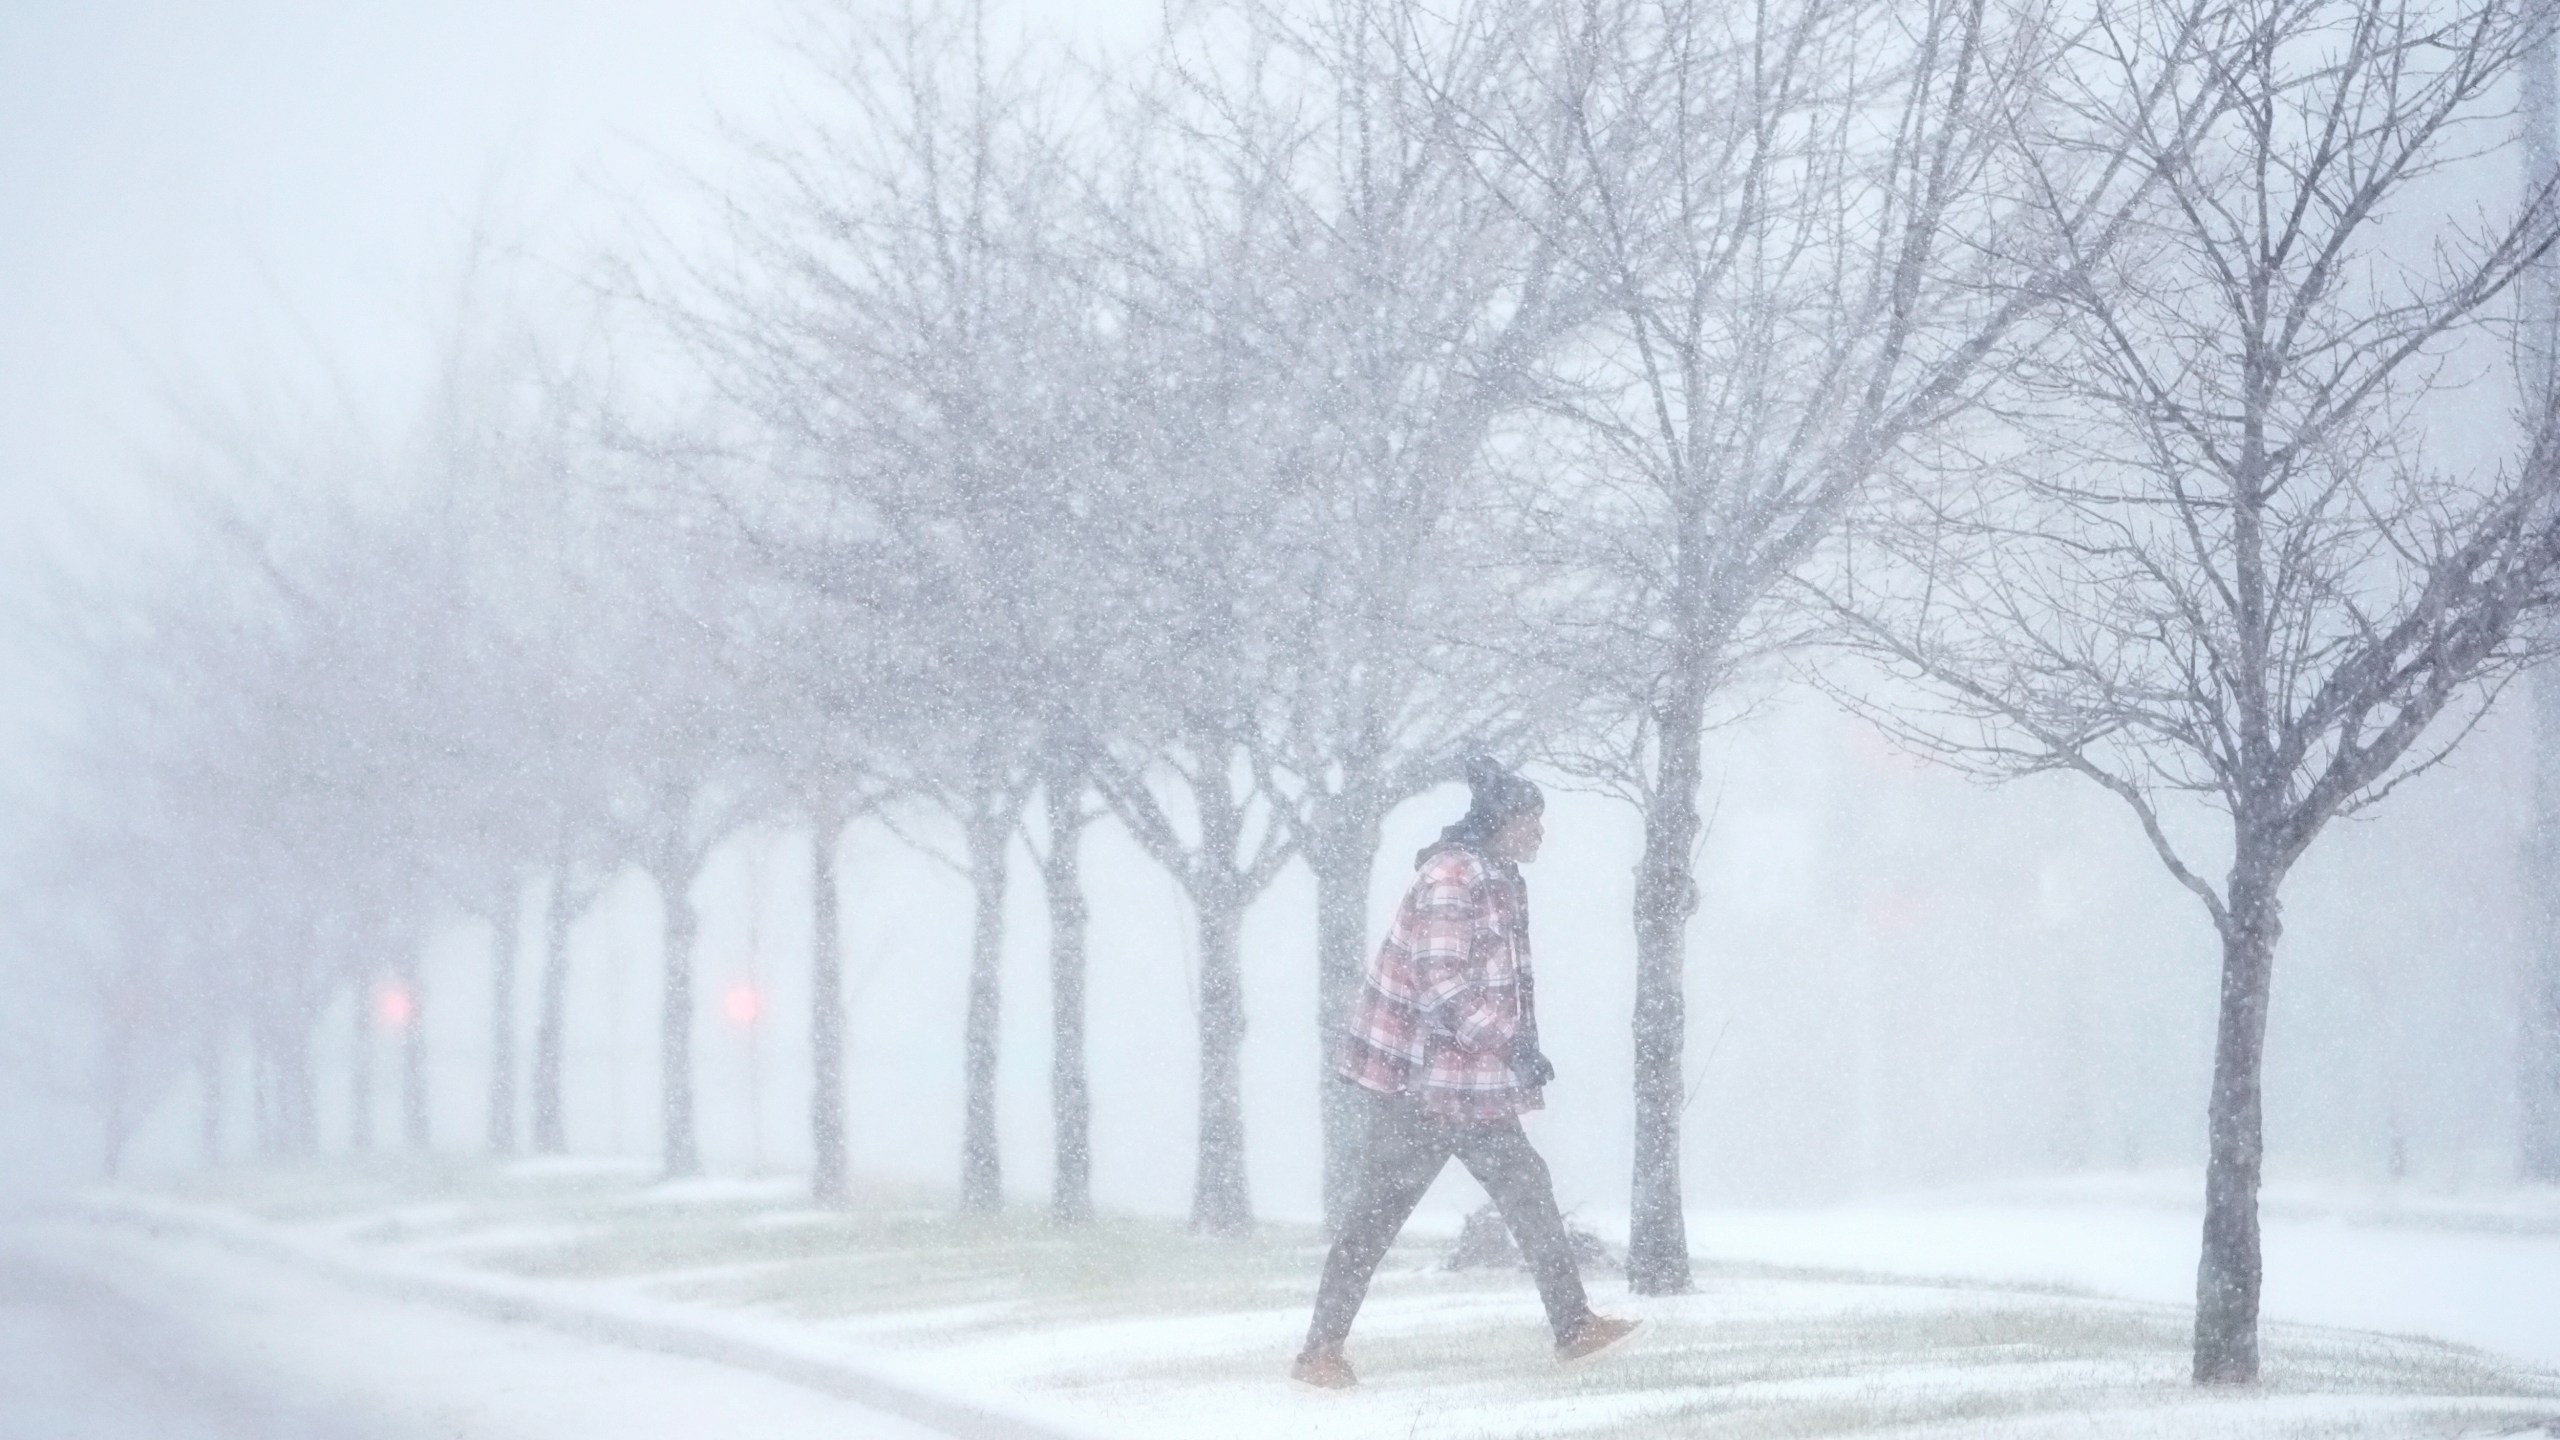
286	1116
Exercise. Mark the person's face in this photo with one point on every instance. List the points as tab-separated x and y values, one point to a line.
1518	839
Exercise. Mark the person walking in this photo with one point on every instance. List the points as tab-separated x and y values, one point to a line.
1442	1042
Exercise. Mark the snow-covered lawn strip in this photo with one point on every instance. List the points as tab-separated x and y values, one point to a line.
1136	1329
2479	1270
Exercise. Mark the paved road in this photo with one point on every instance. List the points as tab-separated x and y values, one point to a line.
113	1336
80	1360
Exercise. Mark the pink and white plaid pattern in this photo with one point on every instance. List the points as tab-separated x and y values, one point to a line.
1446	993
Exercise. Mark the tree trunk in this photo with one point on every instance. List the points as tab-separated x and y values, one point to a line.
1666	895
297	1086
1342	849
360	1071
981	1167
1221	1202
675	1019
262	1106
2538	1037
413	1060
115	1080
1070	1092
2538	1021
550	1132
829	1176
209	1119
502	1021
2229	1270
116	1126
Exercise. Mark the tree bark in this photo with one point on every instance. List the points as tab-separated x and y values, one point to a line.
1070	1089
1665	897
2229	1271
2538	1020
550	1132
1342	849
413	1060
2538	1024
209	1119
360	1070
675	1021
2538	1037
981	1166
829	1177
116	1123
262	1105
116	1080
297	1085
502	1020
1221	1201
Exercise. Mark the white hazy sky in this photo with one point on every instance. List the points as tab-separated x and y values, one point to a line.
196	197
201	196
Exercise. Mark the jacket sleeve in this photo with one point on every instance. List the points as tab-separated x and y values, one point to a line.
1470	986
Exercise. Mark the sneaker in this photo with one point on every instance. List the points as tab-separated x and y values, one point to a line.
1595	1334
1325	1370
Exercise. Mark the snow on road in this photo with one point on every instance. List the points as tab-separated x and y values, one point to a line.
182	1340
82	1361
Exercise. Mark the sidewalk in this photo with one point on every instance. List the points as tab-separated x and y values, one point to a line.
1005	1328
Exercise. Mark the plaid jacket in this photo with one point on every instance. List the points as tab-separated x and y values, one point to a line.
1447	993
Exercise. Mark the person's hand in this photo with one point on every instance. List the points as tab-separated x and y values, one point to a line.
1530	1065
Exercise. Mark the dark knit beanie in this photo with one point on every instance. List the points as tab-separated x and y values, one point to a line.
1494	795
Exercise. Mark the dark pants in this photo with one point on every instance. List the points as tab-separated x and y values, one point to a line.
1406	1151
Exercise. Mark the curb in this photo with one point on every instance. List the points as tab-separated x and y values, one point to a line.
527	1302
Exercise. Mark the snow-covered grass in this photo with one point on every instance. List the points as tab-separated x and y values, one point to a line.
1134	1327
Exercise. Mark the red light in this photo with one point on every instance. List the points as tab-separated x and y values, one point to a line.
396	1006
743	1004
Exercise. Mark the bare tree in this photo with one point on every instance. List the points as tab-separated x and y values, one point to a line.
2221	562
890	320
1405	308
2538	300
1205	455
1799	219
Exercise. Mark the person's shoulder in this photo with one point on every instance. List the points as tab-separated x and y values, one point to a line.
1454	865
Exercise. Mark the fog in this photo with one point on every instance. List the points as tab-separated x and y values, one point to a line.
888	594
1902	980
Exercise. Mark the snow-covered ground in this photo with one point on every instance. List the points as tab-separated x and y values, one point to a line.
2035	1311
2481	1271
